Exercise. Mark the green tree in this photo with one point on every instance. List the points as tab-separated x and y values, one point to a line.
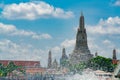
3	71
101	63
11	66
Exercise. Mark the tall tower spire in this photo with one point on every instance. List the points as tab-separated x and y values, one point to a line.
81	37
49	60
64	53
114	54
81	23
81	52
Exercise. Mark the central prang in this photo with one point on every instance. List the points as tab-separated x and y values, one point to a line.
81	52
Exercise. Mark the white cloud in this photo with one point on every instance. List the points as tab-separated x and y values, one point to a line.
102	47
106	42
56	49
102	35
56	52
11	30
109	26
92	45
68	43
117	3
10	50
42	36
31	11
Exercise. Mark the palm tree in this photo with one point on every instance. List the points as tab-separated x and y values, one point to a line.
3	71
11	67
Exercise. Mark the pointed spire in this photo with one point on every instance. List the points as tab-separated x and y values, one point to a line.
114	54
49	59
81	23
64	56
81	13
63	52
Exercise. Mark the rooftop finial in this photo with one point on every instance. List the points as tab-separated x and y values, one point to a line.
81	13
114	54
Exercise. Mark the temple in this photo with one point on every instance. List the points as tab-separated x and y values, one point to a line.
81	52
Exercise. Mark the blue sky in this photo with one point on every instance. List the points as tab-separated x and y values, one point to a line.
30	28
